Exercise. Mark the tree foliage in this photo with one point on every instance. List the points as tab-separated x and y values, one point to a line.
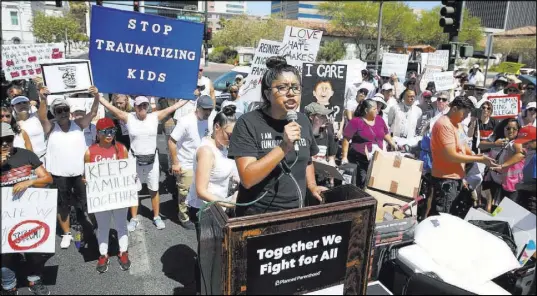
359	19
331	51
428	31
525	47
242	31
55	29
77	11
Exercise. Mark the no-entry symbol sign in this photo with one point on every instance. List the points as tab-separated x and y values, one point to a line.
28	235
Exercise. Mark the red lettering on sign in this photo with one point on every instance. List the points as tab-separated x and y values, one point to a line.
32	59
57	55
31	71
55	50
24	73
15	74
14	244
38	71
10	63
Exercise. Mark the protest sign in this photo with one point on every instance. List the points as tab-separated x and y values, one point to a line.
324	84
505	106
29	220
251	89
67	77
509	67
354	70
305	259
394	63
300	46
443	80
136	53
438	58
22	61
111	184
427	76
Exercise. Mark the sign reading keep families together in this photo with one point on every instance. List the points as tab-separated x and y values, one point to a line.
136	53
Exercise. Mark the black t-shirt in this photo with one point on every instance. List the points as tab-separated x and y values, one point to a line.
484	131
255	135
19	167
327	144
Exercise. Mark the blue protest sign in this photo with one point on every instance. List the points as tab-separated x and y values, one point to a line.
141	54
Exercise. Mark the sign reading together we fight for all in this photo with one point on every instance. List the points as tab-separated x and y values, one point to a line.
135	53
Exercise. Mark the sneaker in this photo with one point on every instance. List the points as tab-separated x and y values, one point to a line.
188	225
66	241
159	223
124	262
102	264
132	225
38	288
13	291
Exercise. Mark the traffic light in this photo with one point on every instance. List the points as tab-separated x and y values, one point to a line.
451	15
99	2
208	34
136	6
59	3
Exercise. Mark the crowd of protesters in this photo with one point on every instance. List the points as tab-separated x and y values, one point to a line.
209	151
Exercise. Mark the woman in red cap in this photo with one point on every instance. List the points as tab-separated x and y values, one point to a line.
106	148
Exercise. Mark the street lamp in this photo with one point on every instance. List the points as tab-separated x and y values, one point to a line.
379	27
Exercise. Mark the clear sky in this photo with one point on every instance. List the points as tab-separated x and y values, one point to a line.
263	7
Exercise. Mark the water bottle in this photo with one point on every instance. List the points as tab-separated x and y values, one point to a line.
78	236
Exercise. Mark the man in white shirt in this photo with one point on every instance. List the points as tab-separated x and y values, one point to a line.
182	144
403	119
391	101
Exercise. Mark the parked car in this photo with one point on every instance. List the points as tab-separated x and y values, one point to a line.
225	80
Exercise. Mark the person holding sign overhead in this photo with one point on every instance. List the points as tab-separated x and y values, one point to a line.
65	155
17	167
143	130
105	149
273	146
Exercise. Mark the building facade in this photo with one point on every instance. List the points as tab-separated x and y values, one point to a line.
17	17
298	10
503	15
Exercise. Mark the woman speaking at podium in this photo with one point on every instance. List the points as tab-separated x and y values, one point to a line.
272	146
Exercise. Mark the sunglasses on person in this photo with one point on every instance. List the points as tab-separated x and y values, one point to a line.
22	103
61	110
508	128
7	140
108	131
6	115
443	99
531	109
486	108
530	88
201	70
512	90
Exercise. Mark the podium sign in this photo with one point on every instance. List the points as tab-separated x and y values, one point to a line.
289	252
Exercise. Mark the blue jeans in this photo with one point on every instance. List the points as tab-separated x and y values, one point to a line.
35	262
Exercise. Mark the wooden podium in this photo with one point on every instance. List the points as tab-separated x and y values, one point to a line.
290	252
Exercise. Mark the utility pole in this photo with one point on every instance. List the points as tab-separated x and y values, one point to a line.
379	27
205	34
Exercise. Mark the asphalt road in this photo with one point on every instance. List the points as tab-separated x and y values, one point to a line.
162	260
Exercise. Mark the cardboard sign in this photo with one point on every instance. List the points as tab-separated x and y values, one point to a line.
325	84
300	46
427	76
22	61
251	89
135	53
443	80
510	68
394	63
67	77
438	58
505	106
111	184
29	220
299	260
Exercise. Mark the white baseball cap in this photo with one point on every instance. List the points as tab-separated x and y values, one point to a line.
387	86
239	76
140	100
19	99
77	107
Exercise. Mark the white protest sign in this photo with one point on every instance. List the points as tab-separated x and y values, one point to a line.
251	89
300	46
443	80
29	220
438	58
111	184
428	76
394	63
505	106
22	61
67	77
354	71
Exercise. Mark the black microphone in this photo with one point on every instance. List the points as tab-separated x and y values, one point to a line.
293	116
